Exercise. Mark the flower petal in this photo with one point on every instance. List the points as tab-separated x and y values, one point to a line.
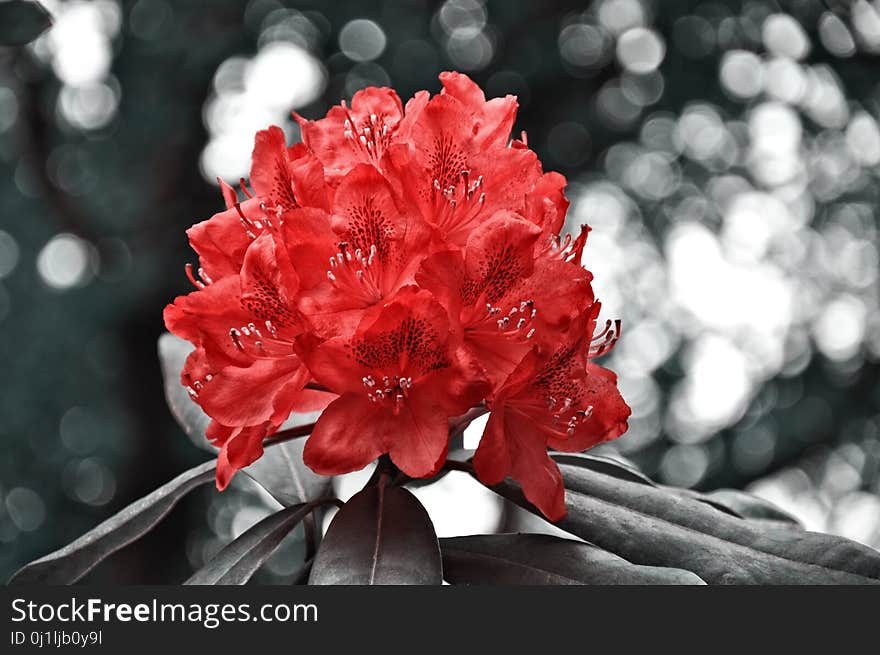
246	396
338	144
204	318
269	283
349	435
499	253
493	120
240	448
222	240
270	168
608	418
512	446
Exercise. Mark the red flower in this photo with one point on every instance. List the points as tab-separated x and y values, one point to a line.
558	399
356	256
407	259
511	289
400	378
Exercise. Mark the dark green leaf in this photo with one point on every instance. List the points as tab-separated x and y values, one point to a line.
382	535
733	502
605	465
540	559
516	519
239	560
656	527
282	472
69	564
173	352
301	577
21	22
703	498
751	506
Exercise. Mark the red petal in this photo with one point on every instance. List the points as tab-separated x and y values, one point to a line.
381	101
608	419
412	112
204	318
264	391
349	435
311	242
441	141
332	366
499	253
561	291
546	204
411	333
444	276
327	137
221	241
307	174
508	174
512	446
269	283
270	169
240	448
230	197
493	120
365	214
422	432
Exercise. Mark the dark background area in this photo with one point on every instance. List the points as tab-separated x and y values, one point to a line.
726	154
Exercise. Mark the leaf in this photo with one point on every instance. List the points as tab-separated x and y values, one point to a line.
656	527
703	498
751	506
301	577
381	536
239	560
282	472
21	22
69	564
731	501
173	352
540	559
605	465
516	519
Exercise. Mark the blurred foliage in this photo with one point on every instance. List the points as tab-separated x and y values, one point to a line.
726	154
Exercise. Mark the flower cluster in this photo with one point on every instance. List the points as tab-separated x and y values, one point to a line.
399	267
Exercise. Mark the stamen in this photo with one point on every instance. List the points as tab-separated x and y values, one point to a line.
354	274
249	340
189	273
243	185
608	337
369	138
249	226
458	205
395	390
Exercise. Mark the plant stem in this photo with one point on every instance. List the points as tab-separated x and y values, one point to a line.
456	465
289	434
459	424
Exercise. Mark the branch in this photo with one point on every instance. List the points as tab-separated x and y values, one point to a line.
289	435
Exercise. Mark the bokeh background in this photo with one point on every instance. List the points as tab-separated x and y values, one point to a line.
727	155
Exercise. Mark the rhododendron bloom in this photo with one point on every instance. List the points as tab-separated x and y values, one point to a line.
399	267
